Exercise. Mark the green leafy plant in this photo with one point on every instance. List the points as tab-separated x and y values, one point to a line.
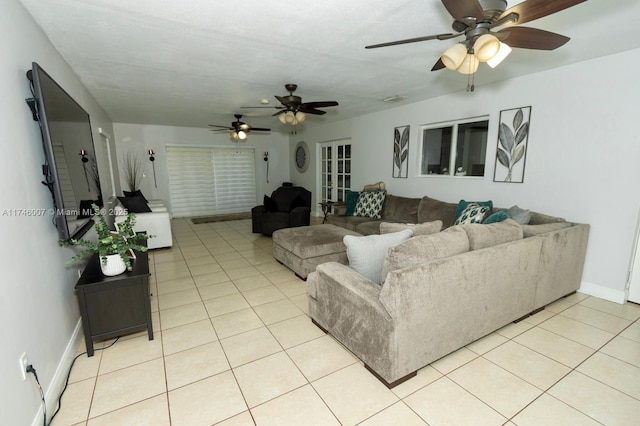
109	242
513	142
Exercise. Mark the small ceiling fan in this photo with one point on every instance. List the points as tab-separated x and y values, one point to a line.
293	111
476	21
239	129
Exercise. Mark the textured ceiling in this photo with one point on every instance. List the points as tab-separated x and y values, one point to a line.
196	62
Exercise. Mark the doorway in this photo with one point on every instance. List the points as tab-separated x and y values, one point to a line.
334	166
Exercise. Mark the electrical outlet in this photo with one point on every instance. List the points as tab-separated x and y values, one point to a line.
23	365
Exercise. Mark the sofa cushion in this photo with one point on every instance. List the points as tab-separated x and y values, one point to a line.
521	216
430	209
426	228
482	236
366	254
424	248
400	209
351	201
370	227
370	204
462	205
135	204
472	213
533	230
496	217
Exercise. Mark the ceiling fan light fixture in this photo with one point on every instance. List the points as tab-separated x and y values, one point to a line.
454	56
300	116
242	135
502	53
234	136
486	47
289	117
469	65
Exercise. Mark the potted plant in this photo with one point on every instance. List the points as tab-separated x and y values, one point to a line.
112	246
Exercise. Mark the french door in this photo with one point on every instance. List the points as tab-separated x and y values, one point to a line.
335	170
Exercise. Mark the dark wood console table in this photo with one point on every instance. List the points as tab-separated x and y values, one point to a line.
114	306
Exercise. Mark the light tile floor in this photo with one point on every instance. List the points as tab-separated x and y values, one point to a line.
234	346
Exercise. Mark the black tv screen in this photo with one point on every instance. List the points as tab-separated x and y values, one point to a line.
70	168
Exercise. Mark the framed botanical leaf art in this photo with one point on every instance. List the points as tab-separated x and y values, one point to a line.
401	152
513	139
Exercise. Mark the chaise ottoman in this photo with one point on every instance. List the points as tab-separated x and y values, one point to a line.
303	248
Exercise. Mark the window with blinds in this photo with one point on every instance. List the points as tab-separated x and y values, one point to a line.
206	181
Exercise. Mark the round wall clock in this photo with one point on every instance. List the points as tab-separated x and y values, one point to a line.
301	157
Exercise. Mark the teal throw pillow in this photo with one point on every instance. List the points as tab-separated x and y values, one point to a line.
351	201
462	204
496	217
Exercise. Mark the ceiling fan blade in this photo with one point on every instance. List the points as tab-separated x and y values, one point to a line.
321	104
221	127
461	9
282	100
530	10
438	65
259	129
309	110
279	112
413	40
532	38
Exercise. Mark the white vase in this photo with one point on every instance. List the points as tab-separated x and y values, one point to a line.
115	265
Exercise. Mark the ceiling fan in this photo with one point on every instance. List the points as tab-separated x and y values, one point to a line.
293	111
477	19
239	129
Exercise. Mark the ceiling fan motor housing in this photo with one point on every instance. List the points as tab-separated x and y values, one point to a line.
493	8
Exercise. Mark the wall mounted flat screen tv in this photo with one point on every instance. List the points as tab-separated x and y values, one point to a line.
70	168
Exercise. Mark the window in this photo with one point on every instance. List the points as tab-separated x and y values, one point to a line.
458	146
209	181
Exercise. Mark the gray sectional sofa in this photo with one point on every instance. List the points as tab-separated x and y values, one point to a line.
433	300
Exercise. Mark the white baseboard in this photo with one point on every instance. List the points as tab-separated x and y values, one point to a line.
52	393
606	293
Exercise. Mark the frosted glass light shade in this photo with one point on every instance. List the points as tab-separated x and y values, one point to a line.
242	135
281	117
469	65
486	47
289	117
300	116
502	53
453	57
234	136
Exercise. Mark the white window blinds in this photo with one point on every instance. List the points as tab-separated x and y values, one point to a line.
210	181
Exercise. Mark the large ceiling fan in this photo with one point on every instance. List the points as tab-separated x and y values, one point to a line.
293	111
477	20
239	129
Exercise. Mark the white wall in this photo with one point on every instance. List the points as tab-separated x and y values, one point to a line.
581	161
140	139
38	308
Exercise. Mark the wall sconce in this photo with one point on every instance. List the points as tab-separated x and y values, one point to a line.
153	164
83	153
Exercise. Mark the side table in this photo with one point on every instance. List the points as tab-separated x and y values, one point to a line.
326	208
114	306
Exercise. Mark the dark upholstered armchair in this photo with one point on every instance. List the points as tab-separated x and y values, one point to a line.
288	207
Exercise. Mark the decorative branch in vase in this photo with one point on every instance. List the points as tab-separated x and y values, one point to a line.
133	170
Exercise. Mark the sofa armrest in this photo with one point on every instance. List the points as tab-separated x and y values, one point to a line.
256	218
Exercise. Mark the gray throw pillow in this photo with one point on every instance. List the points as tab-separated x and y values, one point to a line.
521	216
366	254
417	228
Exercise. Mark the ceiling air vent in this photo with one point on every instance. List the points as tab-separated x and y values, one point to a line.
394	98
